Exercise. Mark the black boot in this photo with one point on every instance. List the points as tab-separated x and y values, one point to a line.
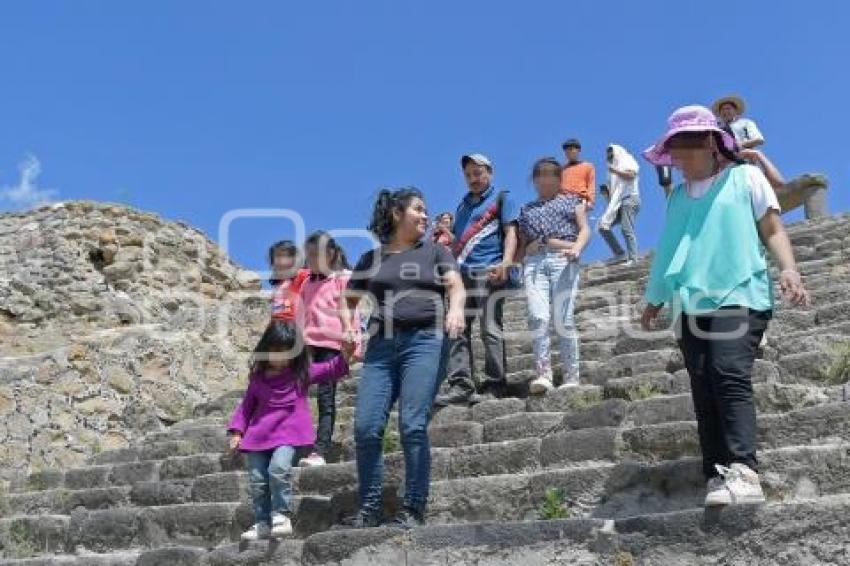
364	519
456	395
493	390
408	518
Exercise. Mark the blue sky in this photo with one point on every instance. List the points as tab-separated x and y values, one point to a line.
195	108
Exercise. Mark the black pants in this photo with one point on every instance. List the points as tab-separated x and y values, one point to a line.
325	402
485	303
719	351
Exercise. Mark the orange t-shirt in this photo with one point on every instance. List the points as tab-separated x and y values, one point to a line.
580	179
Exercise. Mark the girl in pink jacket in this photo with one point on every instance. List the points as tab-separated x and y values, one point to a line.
321	294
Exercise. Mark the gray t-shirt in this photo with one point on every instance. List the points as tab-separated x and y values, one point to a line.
407	287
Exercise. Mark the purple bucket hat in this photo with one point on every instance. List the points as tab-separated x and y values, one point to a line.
686	119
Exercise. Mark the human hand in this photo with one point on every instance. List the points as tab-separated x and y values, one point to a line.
455	323
792	288
650	314
572	252
350	339
498	274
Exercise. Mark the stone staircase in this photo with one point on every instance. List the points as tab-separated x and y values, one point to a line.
606	473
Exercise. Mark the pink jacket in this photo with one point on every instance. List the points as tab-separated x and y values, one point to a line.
320	299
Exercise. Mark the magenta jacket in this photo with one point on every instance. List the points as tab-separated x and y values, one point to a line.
275	411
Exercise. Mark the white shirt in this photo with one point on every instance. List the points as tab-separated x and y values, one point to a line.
627	187
762	194
745	130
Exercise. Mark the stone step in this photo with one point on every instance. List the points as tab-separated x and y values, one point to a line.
490	421
604	490
623	319
581	407
284	552
618	302
129	473
584	408
787	474
810	339
204	525
123	558
224	487
62	501
565	446
825	254
813	532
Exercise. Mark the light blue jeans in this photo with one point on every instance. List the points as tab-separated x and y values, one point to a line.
551	285
626	219
270	482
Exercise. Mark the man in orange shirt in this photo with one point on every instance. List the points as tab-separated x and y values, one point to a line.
577	176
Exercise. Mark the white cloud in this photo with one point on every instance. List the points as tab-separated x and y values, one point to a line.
27	193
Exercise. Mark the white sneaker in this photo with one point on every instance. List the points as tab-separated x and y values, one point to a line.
281	525
716	493
570	380
540	386
629	263
741	485
312	460
260	531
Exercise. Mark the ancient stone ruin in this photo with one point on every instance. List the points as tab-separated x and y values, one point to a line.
124	340
807	191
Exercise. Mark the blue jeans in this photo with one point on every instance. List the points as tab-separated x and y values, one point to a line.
551	285
270	482
405	367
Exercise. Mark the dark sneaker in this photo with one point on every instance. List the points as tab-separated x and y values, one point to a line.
456	395
493	390
407	519
362	520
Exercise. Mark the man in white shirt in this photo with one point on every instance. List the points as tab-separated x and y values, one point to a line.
623	203
729	110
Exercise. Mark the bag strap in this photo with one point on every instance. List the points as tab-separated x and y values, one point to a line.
493	211
500	202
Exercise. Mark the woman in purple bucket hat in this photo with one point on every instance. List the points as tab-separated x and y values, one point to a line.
710	269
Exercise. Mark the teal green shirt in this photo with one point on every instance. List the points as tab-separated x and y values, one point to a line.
710	254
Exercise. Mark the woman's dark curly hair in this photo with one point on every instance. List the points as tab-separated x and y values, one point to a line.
387	202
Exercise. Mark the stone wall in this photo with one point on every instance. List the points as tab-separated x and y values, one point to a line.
113	322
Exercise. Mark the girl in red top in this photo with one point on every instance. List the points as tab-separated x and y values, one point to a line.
286	280
443	226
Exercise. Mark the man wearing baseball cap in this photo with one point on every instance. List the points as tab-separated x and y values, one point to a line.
485	246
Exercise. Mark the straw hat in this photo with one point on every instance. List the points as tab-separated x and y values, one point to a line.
732	99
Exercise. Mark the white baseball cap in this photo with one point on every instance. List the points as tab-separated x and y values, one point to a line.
477	158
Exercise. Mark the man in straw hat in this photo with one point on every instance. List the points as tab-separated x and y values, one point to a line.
730	110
